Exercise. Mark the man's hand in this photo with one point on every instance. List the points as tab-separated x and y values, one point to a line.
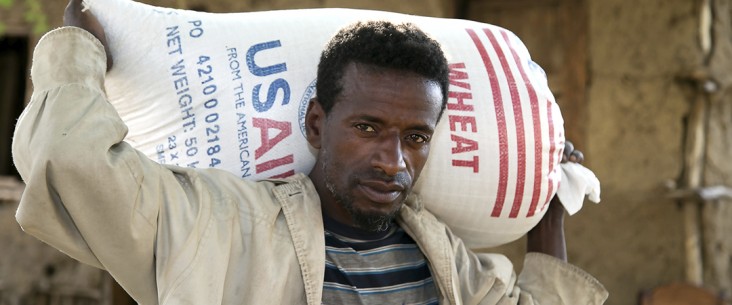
572	155
548	235
73	16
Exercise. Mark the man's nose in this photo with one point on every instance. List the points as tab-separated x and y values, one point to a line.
390	155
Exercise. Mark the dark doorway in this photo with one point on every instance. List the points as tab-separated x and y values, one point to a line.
13	77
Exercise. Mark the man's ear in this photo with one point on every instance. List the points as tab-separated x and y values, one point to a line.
314	120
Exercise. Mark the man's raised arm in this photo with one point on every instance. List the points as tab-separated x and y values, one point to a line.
548	235
88	193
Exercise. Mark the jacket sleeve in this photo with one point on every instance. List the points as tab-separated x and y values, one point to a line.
88	193
486	278
465	277
556	282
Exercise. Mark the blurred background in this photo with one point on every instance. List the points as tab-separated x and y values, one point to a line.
644	87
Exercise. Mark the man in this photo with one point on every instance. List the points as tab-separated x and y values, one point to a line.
350	233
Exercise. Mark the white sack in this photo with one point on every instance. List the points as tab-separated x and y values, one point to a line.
230	91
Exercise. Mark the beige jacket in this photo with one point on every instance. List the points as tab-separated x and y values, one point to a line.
173	235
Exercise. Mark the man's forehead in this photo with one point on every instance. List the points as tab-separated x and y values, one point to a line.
360	69
356	75
373	89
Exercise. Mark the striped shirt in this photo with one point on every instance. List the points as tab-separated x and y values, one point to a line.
364	267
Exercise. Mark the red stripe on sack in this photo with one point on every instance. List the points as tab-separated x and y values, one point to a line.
518	118
534	103
552	150
500	122
284	175
265	166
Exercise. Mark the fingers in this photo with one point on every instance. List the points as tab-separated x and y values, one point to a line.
72	13
568	149
577	157
572	155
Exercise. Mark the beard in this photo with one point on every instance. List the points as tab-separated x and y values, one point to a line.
374	222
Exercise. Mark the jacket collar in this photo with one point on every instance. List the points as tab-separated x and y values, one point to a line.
430	235
301	207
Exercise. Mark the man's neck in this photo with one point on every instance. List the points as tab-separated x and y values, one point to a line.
354	233
328	203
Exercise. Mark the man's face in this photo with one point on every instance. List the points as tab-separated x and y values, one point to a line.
373	144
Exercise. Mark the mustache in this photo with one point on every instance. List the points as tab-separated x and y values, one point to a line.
401	178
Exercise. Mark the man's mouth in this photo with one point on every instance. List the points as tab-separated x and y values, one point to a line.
380	191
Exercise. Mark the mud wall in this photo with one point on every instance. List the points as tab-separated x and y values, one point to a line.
641	53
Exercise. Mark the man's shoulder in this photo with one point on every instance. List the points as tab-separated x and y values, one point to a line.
223	183
298	178
414	210
247	183
414	204
229	193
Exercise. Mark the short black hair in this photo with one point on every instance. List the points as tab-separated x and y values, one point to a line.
382	44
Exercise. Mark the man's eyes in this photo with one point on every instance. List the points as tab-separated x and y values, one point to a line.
365	127
418	138
415	137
